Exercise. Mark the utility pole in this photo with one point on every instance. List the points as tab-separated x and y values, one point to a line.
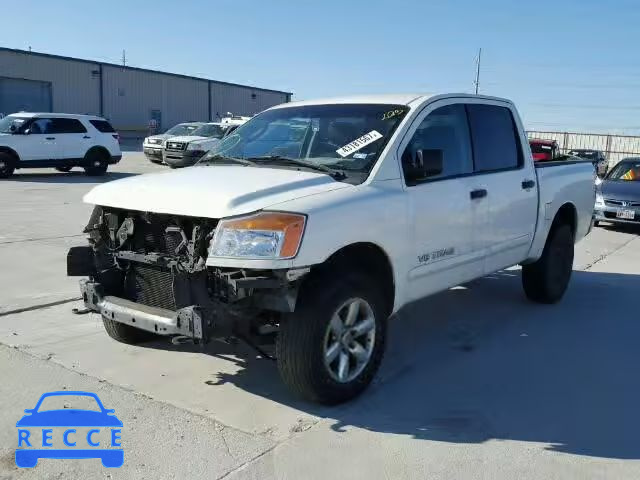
477	82
124	58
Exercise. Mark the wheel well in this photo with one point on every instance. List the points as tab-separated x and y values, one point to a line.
10	152
566	215
368	258
100	149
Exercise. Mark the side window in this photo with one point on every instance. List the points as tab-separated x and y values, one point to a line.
40	126
445	129
495	142
102	126
68	125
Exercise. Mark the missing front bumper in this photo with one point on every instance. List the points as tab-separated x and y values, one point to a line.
189	321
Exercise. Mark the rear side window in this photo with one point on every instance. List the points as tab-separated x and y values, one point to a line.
67	125
493	134
102	126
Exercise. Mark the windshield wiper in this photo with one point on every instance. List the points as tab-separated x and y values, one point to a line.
336	174
225	159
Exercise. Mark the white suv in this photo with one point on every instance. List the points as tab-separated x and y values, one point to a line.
58	140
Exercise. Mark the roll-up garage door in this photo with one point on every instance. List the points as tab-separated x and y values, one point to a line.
19	95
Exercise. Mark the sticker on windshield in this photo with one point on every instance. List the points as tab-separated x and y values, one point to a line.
359	143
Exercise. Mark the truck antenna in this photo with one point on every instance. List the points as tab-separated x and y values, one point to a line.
477	81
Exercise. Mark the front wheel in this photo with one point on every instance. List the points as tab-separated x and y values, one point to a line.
330	348
547	279
125	333
7	165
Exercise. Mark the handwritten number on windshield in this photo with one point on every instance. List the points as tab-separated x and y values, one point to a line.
391	114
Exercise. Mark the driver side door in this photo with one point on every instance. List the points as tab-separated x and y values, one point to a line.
39	144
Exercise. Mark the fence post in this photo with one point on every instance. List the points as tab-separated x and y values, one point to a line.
565	141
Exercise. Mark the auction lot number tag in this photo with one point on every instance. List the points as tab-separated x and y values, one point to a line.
359	143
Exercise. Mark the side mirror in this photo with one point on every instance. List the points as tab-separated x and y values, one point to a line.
425	164
27	131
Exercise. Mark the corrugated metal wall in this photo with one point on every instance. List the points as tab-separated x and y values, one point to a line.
74	85
241	100
130	96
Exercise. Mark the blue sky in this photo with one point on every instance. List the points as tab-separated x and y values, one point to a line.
568	64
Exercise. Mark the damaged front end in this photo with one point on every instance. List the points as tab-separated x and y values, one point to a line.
148	271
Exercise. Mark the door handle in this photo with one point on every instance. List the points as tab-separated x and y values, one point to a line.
86	136
527	184
479	193
50	138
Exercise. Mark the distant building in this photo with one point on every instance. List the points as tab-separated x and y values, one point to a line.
131	98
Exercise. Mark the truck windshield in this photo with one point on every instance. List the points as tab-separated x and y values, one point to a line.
183	129
348	137
626	172
214	131
7	122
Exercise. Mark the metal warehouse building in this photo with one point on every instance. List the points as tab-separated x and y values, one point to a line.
129	97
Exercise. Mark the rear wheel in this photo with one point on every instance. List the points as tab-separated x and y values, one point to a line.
126	334
7	165
64	169
546	280
330	348
96	163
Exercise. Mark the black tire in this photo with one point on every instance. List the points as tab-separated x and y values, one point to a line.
596	223
96	163
546	280
7	165
64	169
126	334
300	346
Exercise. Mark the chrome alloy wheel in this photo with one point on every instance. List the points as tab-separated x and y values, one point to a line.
349	340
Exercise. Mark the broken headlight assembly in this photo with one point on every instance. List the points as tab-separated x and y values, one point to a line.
265	235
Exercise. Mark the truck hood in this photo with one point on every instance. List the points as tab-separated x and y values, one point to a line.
211	191
187	138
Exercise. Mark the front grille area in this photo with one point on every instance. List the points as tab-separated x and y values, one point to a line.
177	146
620	203
150	286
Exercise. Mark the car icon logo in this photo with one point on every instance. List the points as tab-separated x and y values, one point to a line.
91	433
625	204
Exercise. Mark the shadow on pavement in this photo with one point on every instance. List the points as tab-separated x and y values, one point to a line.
74	176
480	362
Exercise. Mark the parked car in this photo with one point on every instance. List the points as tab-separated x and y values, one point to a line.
544	150
597	157
318	220
618	195
186	150
153	146
57	140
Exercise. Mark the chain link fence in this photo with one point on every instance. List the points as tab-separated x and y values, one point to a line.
615	147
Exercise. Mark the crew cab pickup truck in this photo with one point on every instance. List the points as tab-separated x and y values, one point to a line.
184	151
57	140
315	222
153	145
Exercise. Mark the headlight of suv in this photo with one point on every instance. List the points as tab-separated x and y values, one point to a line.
266	235
599	200
194	146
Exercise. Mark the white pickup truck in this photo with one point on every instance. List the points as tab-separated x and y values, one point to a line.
316	221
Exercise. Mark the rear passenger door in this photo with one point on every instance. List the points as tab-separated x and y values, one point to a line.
508	182
72	138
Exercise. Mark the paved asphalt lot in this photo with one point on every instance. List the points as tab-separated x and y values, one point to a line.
477	383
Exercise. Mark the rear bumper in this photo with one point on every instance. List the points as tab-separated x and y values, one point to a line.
115	159
187	321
